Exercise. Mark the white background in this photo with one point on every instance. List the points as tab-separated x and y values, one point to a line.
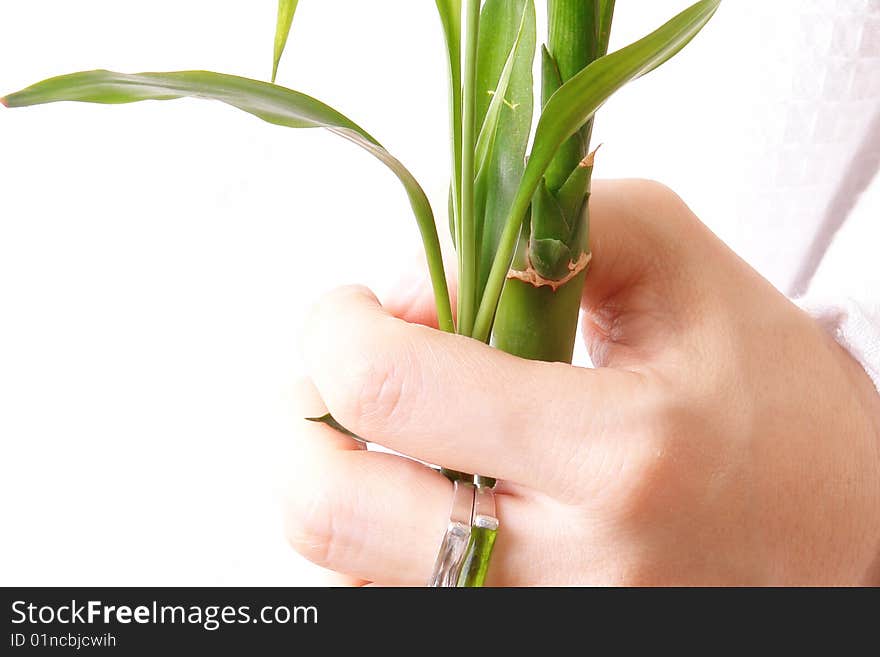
157	259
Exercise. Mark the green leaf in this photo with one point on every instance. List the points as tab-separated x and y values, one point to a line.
551	80
272	103
467	240
572	194
331	422
579	98
548	250
501	25
450	17
548	220
606	16
286	10
570	108
549	257
489	130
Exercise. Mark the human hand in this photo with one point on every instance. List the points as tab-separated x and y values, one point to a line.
723	437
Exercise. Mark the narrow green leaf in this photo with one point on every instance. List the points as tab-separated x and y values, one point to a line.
499	97
548	220
606	16
272	103
549	257
488	135
331	422
467	255
286	10
548	251
570	108
572	194
450	17
451	214
502	22
551	80
672	53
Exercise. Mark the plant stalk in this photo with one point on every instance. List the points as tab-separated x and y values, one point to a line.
467	245
450	16
539	322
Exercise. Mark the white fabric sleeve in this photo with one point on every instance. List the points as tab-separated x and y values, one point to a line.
855	327
844	295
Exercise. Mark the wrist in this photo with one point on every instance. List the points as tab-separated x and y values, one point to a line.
866	393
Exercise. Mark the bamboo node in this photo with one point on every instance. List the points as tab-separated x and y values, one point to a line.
535	279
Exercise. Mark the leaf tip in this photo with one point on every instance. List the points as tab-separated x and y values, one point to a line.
590	160
4	102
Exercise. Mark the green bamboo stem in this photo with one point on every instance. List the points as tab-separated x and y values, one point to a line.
539	323
484	530
467	243
490	301
477	557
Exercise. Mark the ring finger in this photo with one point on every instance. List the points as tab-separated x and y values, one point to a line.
381	517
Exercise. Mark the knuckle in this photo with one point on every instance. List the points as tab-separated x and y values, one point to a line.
666	203
379	382
327	309
380	391
342	296
327	306
655	191
658	468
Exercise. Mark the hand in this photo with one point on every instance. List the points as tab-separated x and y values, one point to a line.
723	437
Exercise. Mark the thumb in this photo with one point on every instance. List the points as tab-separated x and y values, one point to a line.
651	259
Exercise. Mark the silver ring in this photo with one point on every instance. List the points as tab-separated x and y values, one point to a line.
447	567
484	509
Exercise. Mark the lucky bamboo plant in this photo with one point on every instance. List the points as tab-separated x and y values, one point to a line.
518	201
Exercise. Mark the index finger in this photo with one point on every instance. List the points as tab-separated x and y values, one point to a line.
456	402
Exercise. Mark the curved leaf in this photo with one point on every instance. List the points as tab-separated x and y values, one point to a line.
286	10
567	110
450	17
269	102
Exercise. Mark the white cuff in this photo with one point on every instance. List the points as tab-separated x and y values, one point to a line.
854	325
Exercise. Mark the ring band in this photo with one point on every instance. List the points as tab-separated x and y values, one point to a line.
458	532
484	529
484	509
